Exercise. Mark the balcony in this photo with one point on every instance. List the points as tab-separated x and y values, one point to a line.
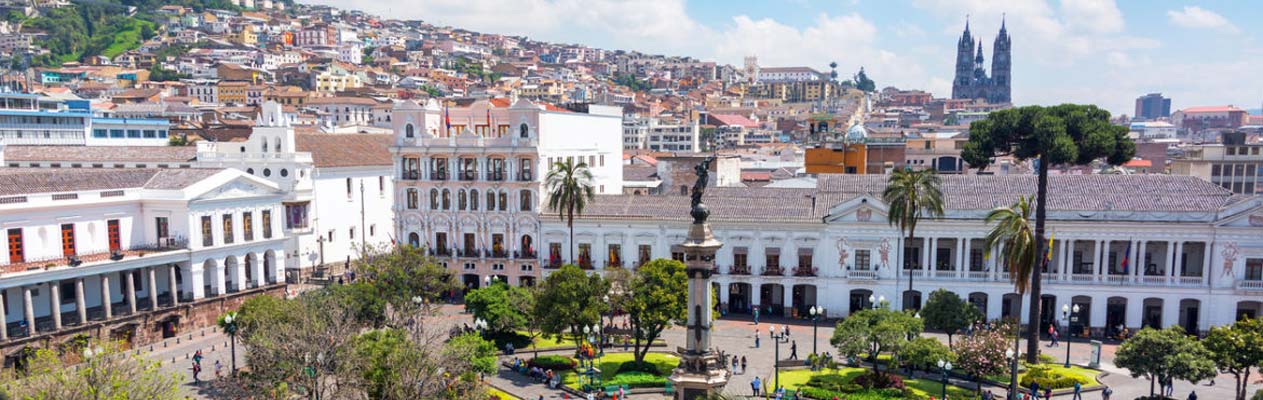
1117	279
977	275
96	255
805	271
469	175
440	252
1188	281
496	176
861	275
585	263
499	253
1253	285
613	264
773	271
439	176
468	252
554	263
525	177
739	270
525	254
1153	280
1082	278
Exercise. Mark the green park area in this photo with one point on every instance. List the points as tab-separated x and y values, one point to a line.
619	369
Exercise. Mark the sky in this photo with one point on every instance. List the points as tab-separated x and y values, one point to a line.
1078	51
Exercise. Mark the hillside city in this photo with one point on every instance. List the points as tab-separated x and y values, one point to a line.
227	199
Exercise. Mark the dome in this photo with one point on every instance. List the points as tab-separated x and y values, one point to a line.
856	133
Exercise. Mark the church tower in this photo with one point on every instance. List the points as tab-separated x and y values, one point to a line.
1000	68
964	65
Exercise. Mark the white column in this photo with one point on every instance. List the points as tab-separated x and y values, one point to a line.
1206	270
260	276
966	254
54	297
1169	265
80	304
130	290
106	302
172	286
153	288
4	319
218	283
194	280
960	256
1178	260
1098	253
278	265
926	263
29	308
239	280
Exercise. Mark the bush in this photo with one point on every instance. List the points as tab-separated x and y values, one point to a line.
1046	359
636	380
555	363
1048	378
1258	395
818	393
520	342
642	367
874	380
829	381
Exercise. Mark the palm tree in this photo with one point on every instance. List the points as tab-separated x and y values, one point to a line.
910	196
1019	243
569	191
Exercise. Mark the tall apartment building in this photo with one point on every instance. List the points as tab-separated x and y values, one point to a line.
657	135
1233	164
469	181
1152	106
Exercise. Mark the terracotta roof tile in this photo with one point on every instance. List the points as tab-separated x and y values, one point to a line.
346	150
172	154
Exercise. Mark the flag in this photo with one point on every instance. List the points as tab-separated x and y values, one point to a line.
1126	257
1048	256
447	120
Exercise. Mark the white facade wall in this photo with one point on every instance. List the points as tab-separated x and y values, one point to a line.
351	220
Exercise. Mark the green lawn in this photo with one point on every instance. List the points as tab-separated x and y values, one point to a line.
793	379
610	363
126	39
1057	368
500	394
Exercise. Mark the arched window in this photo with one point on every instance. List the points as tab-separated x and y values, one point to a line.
447	199
525	131
461	200
526	245
491	200
408	130
276	146
524	198
265	145
414	240
504	201
473	200
413	199
434	199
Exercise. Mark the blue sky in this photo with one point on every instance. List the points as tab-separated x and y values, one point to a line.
1082	51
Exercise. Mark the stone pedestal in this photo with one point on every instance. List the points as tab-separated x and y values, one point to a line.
701	372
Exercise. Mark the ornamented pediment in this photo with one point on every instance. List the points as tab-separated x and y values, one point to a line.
860	209
236	189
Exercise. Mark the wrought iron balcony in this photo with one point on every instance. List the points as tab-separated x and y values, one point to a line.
805	271
739	270
773	271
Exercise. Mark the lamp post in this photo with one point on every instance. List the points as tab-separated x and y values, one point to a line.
481	325
230	328
1066	311
776	358
1012	356
816	313
946	367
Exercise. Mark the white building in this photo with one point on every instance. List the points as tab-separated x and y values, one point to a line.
788	74
653	134
469	185
114	251
1195	250
1152	130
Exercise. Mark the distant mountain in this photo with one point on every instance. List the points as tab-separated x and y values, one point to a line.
1254	111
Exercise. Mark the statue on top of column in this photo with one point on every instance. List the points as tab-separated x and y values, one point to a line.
699	210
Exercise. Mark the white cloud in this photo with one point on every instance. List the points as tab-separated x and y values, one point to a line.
1096	16
1199	18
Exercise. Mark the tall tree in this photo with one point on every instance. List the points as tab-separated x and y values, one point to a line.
404	273
500	305
1165	354
1236	349
658	298
1058	135
909	196
1015	238
946	311
982	354
874	331
569	192
568	300
99	370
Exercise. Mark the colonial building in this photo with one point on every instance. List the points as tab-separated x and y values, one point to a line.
469	185
131	254
971	80
1129	250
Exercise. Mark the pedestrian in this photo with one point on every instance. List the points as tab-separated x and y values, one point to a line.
1078	392
793	350
785	330
988	396
626	343
508	348
1052	333
756	317
756	338
1048	393
1192	395
541	397
197	357
734	363
754	386
1105	394
219	368
1035	389
743	365
197	369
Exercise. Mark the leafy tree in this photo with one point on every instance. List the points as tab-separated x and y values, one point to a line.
1064	134
874	331
659	298
1236	349
147	32
500	305
480	352
568	300
258	312
982	354
923	353
910	196
101	371
569	191
362	299
1166	353
431	91
403	273
863	83
377	351
949	313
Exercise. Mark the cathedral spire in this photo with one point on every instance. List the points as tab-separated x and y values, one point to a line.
978	59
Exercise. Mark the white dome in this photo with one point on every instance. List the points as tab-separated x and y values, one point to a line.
856	133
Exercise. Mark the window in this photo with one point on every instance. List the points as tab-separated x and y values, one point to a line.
296	215
440	243
267	224
133	133
863	260
616	255
773	258
473	199
462	200
116	133
114	236
412	199
524	198
208	234
585	254
67	291
372	230
247	225
227	219
348	188
434	199
409	131
602	159
491	201
381	184
15	246
352	233
161	229
643	253
504	201
1254	269
525	170
524	131
99	133
68	240
267	172
329	236
150	134
470	249
447	199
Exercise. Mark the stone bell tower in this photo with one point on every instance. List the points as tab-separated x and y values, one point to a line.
701	372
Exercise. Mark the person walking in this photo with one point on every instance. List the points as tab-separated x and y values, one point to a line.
197	369
1192	395
1105	394
1078	392
756	316
219	369
743	365
756	338
1035	389
793	350
785	330
197	357
755	385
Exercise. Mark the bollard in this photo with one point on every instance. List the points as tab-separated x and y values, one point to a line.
177	340
150	348
164	344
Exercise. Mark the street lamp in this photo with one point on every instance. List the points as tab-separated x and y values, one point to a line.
776	342
1066	311
1012	356
946	367
480	324
230	328
816	313
872	301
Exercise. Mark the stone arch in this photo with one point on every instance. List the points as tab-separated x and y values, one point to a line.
1249	309
409	131
231	277
210	270
979	300
1190	315
1151	313
251	262
859	300
269	270
414	239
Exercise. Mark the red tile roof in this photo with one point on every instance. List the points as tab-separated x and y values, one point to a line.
346	150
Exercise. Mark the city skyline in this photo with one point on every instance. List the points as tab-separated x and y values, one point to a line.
1112	52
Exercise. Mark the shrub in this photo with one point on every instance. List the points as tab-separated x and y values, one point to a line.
829	381
874	380
644	367
556	363
637	380
1048	378
1046	359
818	393
1258	395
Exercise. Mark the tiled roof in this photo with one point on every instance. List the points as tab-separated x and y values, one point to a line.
346	150
100	154
639	173
23	181
179	178
362	101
